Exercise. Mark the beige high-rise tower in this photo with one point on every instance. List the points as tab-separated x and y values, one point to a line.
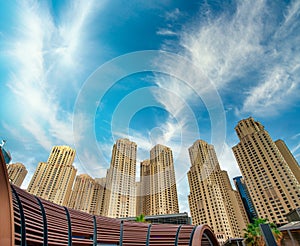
272	185
145	194
53	179
139	208
82	193
16	173
98	197
212	200
120	200
158	188
289	158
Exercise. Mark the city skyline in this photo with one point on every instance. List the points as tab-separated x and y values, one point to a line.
56	55
152	149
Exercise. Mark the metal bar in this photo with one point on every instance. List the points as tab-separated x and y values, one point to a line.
192	235
69	227
22	218
177	235
95	231
148	235
45	226
121	233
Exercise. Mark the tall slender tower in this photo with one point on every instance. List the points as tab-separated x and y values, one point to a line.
120	200
53	179
145	194
159	183
98	196
139	208
212	200
272	185
82	193
289	158
16	173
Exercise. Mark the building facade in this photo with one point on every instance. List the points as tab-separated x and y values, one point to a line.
120	195
97	203
82	193
245	196
53	180
145	198
16	173
273	187
212	200
175	219
289	158
158	180
139	208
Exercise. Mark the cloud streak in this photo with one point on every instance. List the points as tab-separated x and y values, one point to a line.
41	51
278	86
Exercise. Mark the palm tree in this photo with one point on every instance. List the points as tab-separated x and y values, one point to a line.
140	218
254	236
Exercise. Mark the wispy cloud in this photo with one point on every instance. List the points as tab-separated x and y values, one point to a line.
224	47
273	94
228	48
172	15
228	162
278	86
295	136
296	148
40	52
165	32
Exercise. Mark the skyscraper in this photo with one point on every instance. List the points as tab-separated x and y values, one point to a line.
16	173
158	186
272	185
82	193
145	195
98	196
212	200
53	179
139	208
120	200
289	158
245	196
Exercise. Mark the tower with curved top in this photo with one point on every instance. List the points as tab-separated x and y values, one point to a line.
120	197
273	187
53	180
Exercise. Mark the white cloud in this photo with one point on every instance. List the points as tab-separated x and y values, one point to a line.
38	133
165	32
278	86
296	148
224	48
40	51
295	136
228	162
268	97
172	15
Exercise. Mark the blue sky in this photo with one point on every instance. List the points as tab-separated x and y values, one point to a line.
85	73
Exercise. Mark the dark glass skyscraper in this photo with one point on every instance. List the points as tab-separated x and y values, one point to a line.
244	193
